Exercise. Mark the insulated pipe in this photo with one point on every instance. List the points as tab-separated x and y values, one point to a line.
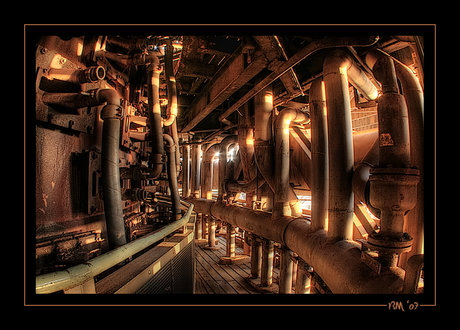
339	264
319	156
111	114
282	198
223	155
154	110
172	175
340	140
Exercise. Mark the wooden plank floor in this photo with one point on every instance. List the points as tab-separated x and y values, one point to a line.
214	278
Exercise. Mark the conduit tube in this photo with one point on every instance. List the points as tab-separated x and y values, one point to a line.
337	68
156	132
282	199
338	264
172	175
111	114
319	156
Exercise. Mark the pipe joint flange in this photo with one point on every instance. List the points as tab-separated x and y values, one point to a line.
111	111
390	244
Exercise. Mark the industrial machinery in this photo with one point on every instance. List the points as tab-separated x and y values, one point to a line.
310	146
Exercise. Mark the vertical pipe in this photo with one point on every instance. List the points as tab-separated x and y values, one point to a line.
256	256
198	228
285	198
212	233
285	280
413	93
266	273
172	176
111	182
302	285
340	143
154	110
186	171
319	156
195	173
230	248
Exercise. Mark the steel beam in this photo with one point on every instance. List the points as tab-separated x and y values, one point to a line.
227	81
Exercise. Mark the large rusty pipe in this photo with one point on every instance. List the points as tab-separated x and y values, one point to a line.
338	264
319	156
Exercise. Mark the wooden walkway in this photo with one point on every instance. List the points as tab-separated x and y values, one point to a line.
214	278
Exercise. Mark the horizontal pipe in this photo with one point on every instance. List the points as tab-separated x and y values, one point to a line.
76	275
338	264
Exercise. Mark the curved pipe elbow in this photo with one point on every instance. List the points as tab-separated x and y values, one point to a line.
172	102
339	62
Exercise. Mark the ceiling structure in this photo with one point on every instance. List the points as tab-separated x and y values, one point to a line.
217	75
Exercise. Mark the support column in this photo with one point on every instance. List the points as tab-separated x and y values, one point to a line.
212	235
285	280
231	257
303	282
266	276
256	256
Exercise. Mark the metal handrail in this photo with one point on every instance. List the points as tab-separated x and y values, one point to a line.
76	275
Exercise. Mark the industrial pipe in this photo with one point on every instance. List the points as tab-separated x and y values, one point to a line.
186	171
171	119
319	156
111	114
337	68
154	110
87	75
339	264
263	149
172	175
282	198
393	184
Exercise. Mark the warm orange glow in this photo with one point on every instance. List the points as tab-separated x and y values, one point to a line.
79	49
250	141
268	98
